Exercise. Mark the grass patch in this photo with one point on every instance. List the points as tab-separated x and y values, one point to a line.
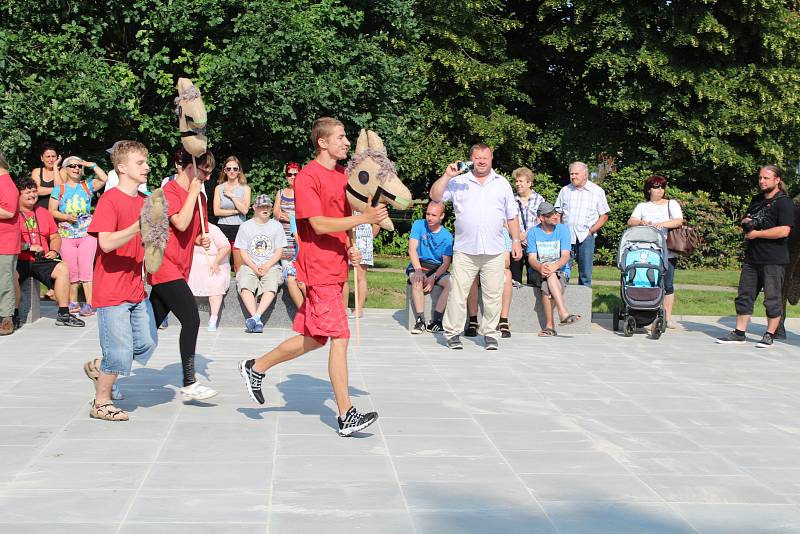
703	277
388	290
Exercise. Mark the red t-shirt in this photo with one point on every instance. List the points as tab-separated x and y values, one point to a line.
9	228
118	274
322	259
36	227
180	245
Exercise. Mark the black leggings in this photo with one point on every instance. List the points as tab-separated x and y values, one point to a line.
176	297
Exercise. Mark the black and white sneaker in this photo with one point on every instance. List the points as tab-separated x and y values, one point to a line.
435	326
68	319
419	326
766	341
732	338
454	343
252	380
355	422
490	343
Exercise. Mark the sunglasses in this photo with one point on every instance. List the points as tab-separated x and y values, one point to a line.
658	187
291	174
74	166
235	169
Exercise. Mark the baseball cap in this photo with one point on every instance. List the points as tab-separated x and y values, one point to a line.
545	208
262	200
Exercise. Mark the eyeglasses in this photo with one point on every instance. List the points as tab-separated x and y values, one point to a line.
74	166
658	187
291	174
234	169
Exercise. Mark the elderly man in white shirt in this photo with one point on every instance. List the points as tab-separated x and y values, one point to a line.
482	202
585	211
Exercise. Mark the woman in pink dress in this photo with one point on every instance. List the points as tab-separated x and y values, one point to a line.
211	277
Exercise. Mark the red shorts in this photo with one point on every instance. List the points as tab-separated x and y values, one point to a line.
322	314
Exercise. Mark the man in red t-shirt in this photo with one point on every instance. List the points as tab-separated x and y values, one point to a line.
9	246
170	290
39	254
323	220
124	315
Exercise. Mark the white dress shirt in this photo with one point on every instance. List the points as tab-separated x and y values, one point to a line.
481	210
582	207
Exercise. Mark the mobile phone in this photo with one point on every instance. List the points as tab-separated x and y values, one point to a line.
464	166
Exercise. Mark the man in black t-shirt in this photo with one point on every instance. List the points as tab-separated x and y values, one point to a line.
767	225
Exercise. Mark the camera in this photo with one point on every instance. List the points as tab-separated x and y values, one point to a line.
464	166
757	221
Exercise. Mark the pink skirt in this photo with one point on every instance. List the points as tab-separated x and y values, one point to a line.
204	285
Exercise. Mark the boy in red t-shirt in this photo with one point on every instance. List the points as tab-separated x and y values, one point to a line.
124	315
324	246
39	254
170	290
9	246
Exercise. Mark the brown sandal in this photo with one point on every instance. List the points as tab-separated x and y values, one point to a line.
107	412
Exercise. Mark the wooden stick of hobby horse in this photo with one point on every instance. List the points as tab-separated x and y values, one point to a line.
202	221
357	308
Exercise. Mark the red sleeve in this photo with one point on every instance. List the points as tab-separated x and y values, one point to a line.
105	216
46	221
174	202
9	194
307	201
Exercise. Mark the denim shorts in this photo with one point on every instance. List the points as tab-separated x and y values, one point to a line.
127	332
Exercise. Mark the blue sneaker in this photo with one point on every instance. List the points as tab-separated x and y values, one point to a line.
250	325
259	327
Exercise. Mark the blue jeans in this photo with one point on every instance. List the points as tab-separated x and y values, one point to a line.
127	332
583	253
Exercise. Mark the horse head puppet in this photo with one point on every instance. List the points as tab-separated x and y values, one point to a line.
371	173
191	117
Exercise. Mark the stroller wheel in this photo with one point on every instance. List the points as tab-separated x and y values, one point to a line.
658	328
615	319
630	326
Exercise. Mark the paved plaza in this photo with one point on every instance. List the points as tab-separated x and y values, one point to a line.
584	434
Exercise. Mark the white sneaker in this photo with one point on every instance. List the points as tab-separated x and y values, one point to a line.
212	324
197	391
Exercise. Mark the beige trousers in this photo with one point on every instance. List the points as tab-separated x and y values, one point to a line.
465	268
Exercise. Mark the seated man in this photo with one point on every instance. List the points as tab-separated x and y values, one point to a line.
39	257
549	250
430	248
260	241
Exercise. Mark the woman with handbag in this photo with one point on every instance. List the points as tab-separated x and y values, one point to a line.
665	215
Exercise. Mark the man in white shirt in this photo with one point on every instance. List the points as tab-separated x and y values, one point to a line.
482	202
585	212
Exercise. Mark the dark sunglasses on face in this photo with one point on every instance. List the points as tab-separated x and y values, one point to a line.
235	169
291	174
74	166
658	187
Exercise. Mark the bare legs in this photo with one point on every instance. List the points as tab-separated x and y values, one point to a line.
337	363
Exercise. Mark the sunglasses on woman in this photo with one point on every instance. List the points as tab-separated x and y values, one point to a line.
74	166
234	169
658	187
291	174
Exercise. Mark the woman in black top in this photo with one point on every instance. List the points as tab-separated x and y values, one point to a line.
48	174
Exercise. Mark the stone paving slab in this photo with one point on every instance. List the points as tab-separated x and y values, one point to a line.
575	434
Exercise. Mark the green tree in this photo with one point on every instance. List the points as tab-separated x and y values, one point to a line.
703	91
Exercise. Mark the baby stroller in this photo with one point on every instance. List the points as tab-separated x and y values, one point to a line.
642	261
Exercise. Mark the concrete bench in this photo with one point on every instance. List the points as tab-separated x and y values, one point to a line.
280	313
30	307
524	300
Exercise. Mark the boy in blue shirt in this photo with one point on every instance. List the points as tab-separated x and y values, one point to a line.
549	248
430	249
